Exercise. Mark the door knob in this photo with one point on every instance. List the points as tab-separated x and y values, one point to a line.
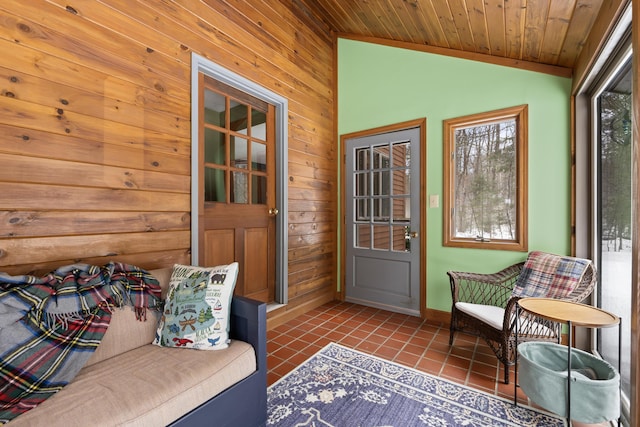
413	234
273	211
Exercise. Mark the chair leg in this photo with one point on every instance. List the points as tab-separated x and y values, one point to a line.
451	332
506	373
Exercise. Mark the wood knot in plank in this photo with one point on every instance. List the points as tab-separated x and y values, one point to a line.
24	28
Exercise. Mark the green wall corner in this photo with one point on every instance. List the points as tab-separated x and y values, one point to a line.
380	85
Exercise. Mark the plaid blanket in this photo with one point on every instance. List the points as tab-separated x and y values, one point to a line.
547	275
50	326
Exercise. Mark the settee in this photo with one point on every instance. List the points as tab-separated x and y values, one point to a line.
129	381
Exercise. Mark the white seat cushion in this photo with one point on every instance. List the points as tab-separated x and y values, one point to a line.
494	316
489	314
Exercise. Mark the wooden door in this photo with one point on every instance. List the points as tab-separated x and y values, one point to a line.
237	177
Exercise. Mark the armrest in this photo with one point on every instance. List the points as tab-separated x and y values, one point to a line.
248	322
529	325
488	289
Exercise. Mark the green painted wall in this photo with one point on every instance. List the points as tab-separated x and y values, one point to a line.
380	85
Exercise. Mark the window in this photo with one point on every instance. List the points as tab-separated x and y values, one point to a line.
485	185
613	144
382	196
235	145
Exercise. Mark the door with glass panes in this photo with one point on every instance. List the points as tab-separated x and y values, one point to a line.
382	188
237	205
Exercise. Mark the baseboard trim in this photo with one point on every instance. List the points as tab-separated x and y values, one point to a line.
282	315
438	316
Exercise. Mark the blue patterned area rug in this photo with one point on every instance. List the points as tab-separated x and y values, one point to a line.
341	387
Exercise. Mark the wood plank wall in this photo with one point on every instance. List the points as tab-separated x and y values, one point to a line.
95	129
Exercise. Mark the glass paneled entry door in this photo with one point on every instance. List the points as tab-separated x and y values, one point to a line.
382	209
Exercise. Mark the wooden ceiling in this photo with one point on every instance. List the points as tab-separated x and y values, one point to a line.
550	32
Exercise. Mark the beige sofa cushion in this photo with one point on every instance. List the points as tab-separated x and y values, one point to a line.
125	332
147	386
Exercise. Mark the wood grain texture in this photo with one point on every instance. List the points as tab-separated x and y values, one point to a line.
546	32
95	128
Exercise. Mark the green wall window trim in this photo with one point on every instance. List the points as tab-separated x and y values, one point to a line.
485	180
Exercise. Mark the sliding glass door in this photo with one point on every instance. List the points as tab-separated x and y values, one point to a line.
611	105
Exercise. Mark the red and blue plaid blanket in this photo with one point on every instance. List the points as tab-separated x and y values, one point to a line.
51	325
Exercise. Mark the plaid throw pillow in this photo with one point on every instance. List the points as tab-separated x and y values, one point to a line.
547	275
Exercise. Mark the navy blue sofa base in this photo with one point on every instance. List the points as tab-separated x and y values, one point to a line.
245	403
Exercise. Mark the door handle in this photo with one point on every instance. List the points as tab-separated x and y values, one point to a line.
413	234
273	211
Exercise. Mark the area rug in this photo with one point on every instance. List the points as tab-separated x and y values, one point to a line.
340	387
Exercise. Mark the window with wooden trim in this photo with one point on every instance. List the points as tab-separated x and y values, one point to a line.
485	180
235	145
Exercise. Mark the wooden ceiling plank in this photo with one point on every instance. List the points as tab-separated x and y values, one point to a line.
514	17
411	26
409	12
584	16
478	21
392	27
461	18
371	19
393	21
447	23
495	16
529	30
556	30
536	20
431	21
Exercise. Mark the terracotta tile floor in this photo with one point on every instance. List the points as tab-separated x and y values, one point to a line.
397	337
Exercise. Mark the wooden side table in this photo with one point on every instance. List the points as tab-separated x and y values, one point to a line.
573	314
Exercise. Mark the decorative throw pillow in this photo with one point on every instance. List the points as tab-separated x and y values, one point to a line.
197	307
548	275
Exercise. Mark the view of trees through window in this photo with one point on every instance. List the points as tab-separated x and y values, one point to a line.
615	158
485	181
486	178
614	197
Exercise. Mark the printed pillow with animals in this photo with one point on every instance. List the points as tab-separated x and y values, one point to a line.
197	307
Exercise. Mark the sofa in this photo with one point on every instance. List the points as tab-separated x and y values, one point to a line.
129	381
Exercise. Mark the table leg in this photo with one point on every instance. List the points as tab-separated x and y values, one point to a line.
569	376
620	361
515	367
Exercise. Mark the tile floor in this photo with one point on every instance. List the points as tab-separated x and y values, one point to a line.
397	337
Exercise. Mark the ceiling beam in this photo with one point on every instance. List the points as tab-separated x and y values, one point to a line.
472	56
